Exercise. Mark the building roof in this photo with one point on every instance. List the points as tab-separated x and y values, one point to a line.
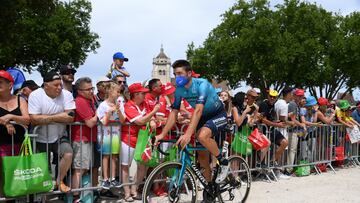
162	54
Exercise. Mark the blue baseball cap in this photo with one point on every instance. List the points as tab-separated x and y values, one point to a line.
119	55
310	101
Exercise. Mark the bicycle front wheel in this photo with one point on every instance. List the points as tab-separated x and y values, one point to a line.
237	184
165	178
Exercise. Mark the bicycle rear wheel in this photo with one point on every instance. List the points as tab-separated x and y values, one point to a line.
166	177
237	184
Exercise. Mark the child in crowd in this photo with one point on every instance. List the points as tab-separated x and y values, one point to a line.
108	112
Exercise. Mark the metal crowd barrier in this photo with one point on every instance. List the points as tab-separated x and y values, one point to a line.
318	146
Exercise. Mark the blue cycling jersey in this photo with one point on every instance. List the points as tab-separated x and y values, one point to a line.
200	92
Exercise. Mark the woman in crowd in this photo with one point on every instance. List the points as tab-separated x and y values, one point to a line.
308	116
138	114
12	108
324	114
109	112
226	99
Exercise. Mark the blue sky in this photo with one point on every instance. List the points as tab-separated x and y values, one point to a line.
139	27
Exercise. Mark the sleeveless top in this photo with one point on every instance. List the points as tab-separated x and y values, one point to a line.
5	138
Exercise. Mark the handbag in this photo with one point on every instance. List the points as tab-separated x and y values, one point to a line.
258	140
302	170
142	141
27	173
241	143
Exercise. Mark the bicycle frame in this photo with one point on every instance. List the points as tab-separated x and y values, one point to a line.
186	161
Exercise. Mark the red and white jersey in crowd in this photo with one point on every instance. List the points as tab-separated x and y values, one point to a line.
151	100
133	112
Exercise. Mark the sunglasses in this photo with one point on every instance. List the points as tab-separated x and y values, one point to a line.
121	82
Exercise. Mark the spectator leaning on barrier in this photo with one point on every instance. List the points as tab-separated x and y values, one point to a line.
165	101
12	108
84	136
101	84
294	116
117	67
309	117
109	112
356	113
138	114
67	73
268	113
325	115
153	96
282	114
26	88
343	114
51	107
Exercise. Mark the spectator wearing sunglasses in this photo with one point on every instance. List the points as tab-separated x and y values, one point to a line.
124	94
67	73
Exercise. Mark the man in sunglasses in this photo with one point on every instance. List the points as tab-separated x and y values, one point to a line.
268	115
67	73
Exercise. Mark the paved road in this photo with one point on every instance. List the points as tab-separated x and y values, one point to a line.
344	186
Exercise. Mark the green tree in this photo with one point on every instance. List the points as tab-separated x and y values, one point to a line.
297	44
42	35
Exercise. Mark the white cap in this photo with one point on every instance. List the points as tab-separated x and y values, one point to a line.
103	79
257	90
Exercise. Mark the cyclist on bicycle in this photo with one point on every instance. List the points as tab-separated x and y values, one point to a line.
208	119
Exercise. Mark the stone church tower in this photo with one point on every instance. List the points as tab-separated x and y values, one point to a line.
161	67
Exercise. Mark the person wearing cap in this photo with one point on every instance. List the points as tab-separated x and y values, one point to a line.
324	114
208	119
101	84
298	128
117	67
138	114
12	108
51	108
267	112
356	113
165	101
26	88
343	114
294	109
67	73
308	116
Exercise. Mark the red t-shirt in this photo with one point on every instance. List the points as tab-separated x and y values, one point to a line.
151	101
165	109
85	110
133	112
